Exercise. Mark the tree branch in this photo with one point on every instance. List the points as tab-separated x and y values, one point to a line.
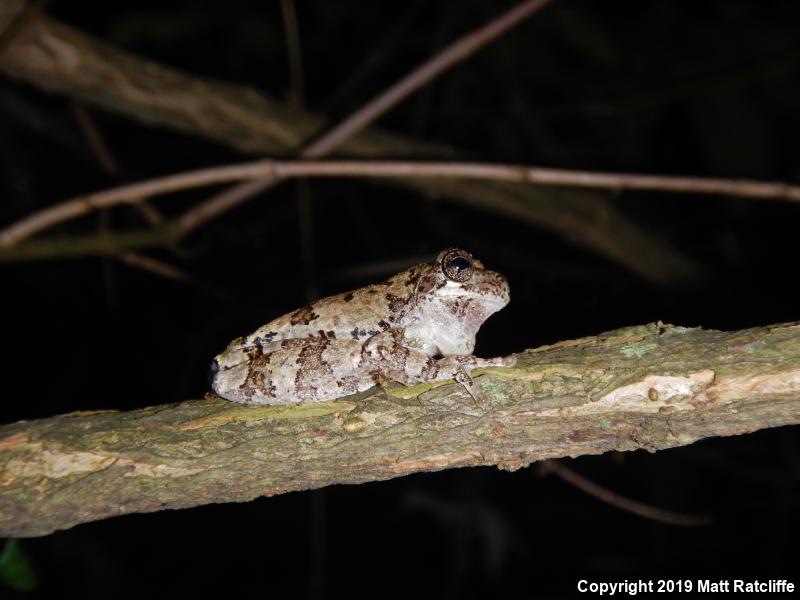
275	170
632	506
367	114
650	387
10	10
57	58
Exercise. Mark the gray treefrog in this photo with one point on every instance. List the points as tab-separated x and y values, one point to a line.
417	326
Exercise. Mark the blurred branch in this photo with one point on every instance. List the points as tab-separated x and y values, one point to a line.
96	141
59	59
97	244
10	11
457	51
305	212
632	506
648	387
157	267
294	52
280	170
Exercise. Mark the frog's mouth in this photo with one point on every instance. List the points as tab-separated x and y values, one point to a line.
493	302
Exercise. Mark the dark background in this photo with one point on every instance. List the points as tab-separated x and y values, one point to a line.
694	88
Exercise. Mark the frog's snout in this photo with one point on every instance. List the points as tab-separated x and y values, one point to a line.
212	372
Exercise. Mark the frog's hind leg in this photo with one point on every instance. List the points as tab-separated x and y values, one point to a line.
294	370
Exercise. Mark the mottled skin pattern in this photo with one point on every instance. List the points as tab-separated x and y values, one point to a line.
417	326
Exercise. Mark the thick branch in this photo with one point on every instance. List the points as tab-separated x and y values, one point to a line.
649	387
59	59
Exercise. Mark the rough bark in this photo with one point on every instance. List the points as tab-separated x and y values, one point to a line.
650	387
60	59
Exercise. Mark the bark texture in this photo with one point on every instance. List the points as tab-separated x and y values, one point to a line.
654	386
56	58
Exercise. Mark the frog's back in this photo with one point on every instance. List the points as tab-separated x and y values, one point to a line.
355	315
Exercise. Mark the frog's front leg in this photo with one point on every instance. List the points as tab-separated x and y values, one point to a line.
411	366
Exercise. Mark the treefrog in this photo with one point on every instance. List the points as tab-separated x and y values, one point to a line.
418	326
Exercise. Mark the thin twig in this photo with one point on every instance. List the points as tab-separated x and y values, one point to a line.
95	139
255	173
110	166
383	44
157	267
456	52
96	244
105	157
293	51
621	502
150	214
305	212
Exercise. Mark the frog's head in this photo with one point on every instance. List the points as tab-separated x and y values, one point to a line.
466	277
460	276
456	294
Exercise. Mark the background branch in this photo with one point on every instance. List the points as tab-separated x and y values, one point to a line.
278	170
324	145
10	10
59	59
632	506
650	387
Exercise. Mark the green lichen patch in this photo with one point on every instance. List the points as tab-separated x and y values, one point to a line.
639	349
242	413
395	390
493	389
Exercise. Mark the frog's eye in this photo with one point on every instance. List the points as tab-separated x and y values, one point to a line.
457	265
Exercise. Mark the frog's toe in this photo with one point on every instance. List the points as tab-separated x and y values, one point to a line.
501	361
509	361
